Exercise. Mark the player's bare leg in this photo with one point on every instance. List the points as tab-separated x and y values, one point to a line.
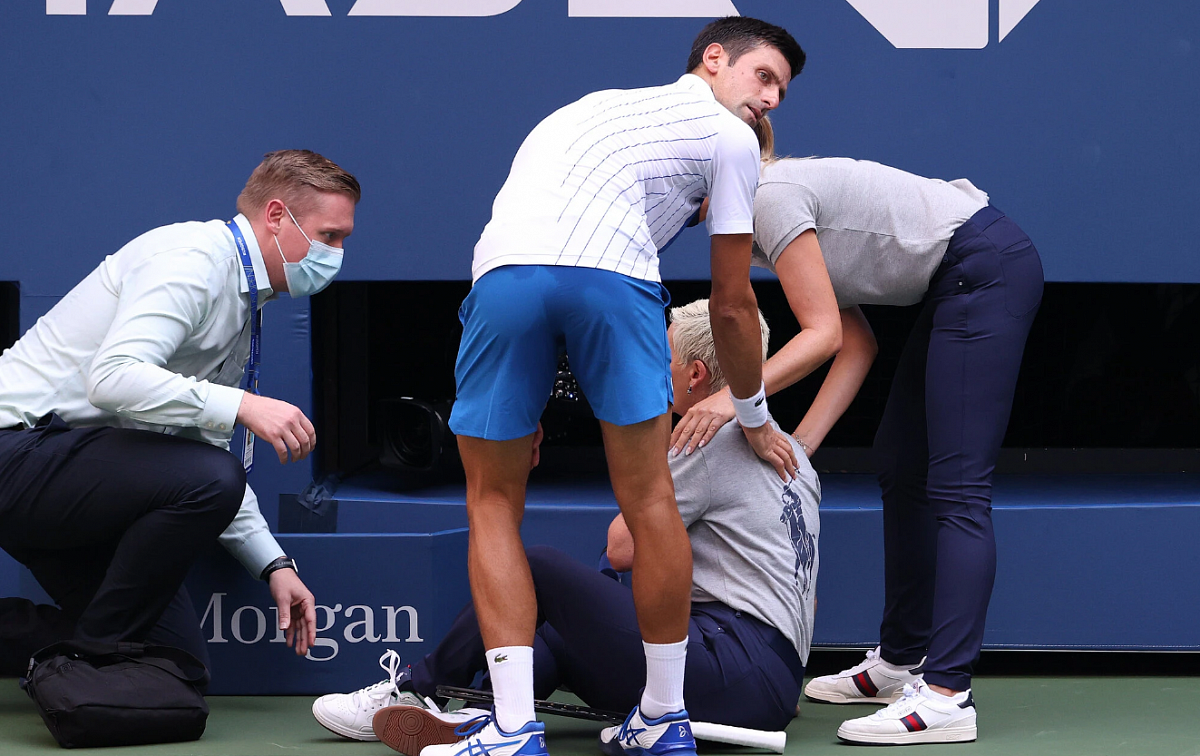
662	556
501	585
662	566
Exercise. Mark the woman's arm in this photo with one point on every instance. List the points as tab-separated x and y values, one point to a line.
845	378
801	271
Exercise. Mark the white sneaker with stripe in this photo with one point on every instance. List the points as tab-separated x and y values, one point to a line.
872	681
919	716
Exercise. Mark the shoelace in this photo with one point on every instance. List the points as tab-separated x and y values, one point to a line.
472	726
476	746
906	695
390	662
872	658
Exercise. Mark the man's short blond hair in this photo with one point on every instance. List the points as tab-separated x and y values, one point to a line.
292	176
693	339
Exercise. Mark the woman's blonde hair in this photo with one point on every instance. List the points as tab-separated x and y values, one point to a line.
765	132
693	339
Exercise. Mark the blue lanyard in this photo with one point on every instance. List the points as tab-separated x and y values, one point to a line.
255	335
255	313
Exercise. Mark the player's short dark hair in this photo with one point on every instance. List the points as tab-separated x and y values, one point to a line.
741	34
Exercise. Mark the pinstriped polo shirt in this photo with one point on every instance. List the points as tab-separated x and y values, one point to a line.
609	181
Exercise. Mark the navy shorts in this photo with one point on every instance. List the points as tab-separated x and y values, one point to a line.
519	318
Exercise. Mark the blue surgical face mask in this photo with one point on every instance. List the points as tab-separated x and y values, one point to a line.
313	273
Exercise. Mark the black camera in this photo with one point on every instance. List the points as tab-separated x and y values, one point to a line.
416	436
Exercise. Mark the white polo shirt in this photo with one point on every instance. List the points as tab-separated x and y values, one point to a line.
609	181
155	338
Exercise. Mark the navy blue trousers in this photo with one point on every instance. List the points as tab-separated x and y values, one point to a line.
938	441
109	521
588	641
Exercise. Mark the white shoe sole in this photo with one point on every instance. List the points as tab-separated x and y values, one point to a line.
961	734
835	697
338	728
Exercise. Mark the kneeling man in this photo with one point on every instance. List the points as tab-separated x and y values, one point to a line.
117	409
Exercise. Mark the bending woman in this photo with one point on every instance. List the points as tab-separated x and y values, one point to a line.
877	235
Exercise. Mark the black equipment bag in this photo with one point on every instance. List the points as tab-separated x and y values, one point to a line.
116	694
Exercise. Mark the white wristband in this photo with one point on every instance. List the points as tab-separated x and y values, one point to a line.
752	412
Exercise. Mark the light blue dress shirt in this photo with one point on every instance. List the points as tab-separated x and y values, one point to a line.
155	338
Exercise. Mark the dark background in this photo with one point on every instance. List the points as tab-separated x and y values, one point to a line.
1106	368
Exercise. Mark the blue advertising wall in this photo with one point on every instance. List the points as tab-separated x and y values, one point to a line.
1081	121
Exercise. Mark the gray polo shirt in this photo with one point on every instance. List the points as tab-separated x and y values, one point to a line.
882	231
754	539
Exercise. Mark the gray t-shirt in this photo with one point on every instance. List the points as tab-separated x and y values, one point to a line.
754	539
882	231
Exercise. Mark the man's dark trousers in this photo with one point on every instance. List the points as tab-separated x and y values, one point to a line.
739	671
109	521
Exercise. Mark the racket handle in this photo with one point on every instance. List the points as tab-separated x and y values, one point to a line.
765	739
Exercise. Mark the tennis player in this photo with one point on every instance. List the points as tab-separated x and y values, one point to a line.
569	261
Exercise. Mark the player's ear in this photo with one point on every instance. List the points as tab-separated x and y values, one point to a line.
712	58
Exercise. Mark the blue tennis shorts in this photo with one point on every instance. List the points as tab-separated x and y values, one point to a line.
519	318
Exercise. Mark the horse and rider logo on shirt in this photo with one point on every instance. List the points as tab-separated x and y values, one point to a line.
802	541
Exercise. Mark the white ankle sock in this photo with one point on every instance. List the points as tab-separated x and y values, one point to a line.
958	697
665	663
511	668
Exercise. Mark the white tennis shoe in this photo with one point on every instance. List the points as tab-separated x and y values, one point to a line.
485	738
872	681
917	717
638	736
350	714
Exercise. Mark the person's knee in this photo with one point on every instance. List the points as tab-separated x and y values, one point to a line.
495	515
960	491
967	517
559	578
650	491
898	467
899	477
884	458
218	480
648	504
544	557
